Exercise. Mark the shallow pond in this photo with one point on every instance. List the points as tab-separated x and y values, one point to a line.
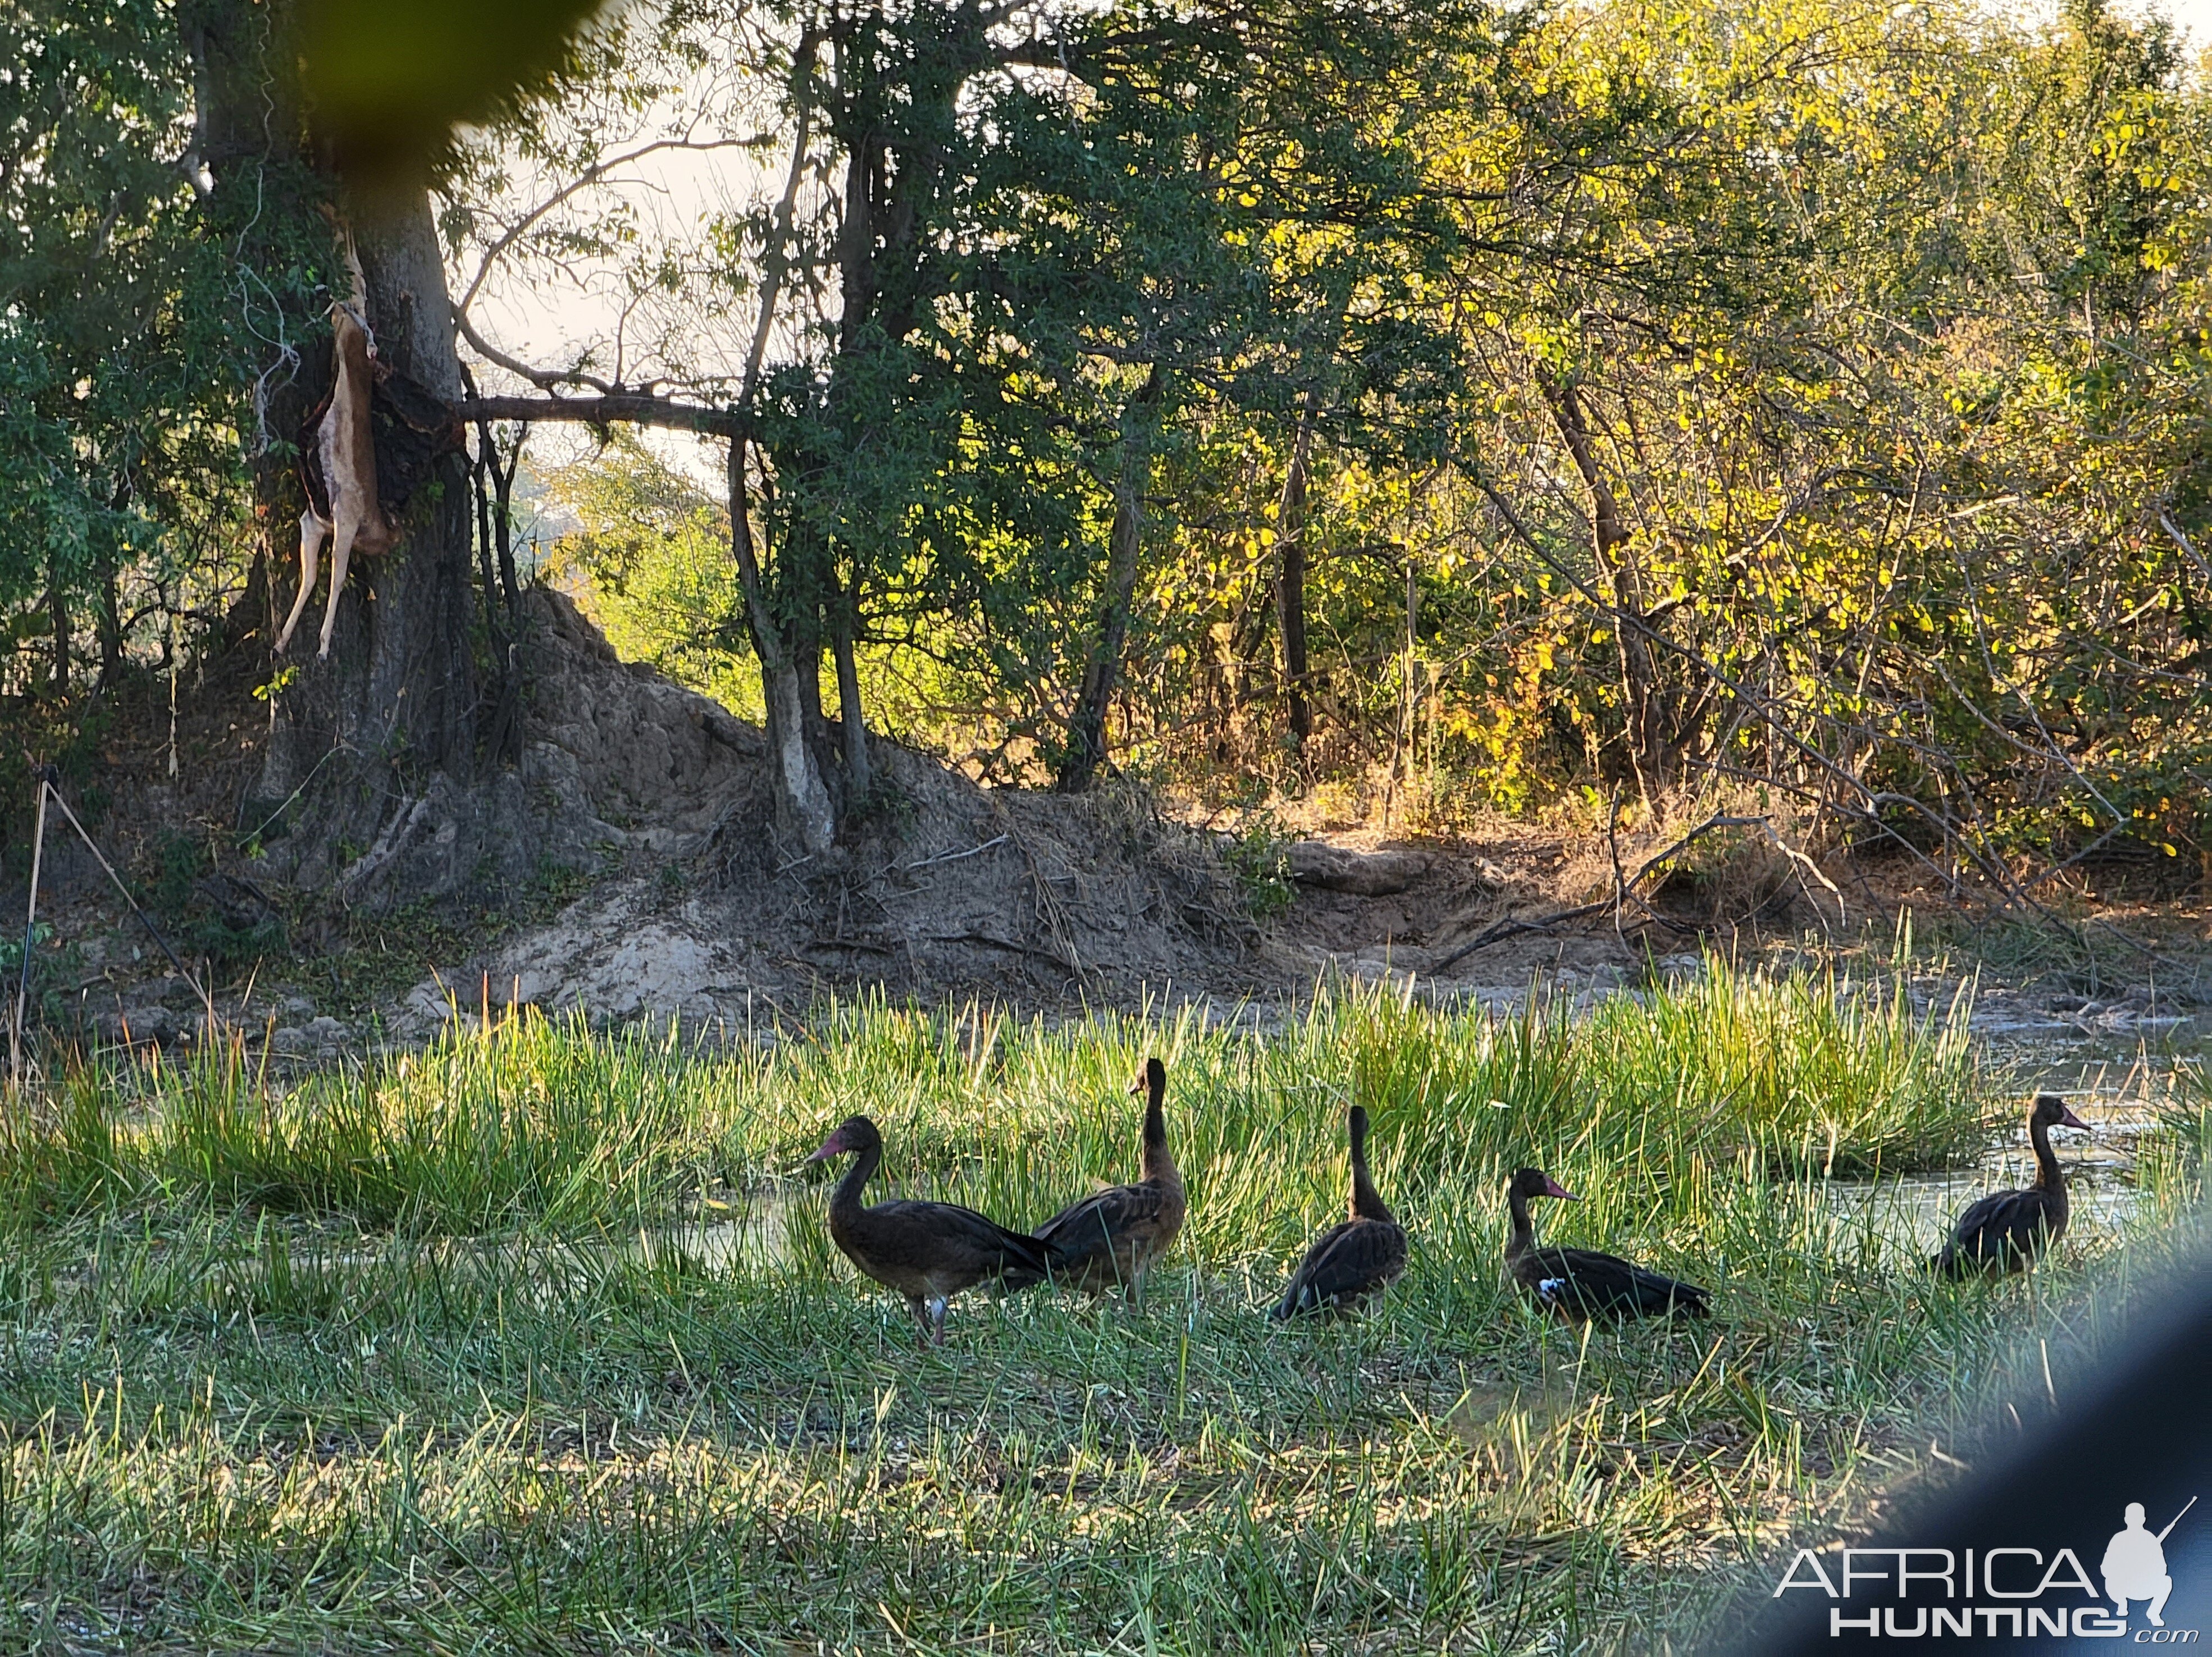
753	1232
2114	1064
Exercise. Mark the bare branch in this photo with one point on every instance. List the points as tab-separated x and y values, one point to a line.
595	174
616	407
544	379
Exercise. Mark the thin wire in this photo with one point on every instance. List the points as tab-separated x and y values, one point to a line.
144	919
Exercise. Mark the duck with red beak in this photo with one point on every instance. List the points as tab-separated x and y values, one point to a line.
926	1252
2006	1231
1582	1282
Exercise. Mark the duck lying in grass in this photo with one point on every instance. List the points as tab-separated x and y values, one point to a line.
2006	1231
1354	1260
1582	1283
927	1251
1113	1236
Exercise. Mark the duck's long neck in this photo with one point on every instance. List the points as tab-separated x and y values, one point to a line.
846	1200
2048	1174
1366	1203
1524	1234
1159	1167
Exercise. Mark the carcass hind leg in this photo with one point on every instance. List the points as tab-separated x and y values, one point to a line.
311	531
340	554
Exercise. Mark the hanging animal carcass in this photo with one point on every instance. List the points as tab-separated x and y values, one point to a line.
338	470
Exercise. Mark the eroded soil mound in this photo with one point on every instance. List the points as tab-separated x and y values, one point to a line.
702	913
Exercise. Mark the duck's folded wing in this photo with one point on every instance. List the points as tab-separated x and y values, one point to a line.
1346	1261
1593	1281
1015	1256
2000	1221
1980	1214
1658	1295
1090	1226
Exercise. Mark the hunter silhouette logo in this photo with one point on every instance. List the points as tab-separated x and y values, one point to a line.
2135	1565
2011	1592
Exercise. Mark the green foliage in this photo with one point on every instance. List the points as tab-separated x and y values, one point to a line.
1810	397
1807	396
139	305
1259	857
89	374
188	897
651	566
11	949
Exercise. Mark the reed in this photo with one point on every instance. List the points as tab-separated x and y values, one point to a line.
527	1120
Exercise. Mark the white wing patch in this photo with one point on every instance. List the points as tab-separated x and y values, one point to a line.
1547	1289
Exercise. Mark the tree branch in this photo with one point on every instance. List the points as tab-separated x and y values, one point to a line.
628	407
591	175
544	379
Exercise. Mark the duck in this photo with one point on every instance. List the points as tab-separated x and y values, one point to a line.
1354	1260
926	1252
2006	1231
1582	1283
1114	1236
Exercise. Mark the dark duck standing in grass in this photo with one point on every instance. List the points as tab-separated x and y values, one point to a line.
2007	1229
1355	1259
927	1251
1113	1236
1581	1283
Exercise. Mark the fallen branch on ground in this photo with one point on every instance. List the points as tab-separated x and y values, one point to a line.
955	857
1623	889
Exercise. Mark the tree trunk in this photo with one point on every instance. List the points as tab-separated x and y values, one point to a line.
381	740
111	627
493	487
415	690
810	590
804	808
859	775
58	606
399	690
375	749
510	586
249	134
1102	668
1646	731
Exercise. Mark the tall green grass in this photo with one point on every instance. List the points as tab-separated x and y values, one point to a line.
449	1351
528	1122
532	1121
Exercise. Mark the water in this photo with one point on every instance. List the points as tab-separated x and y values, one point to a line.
751	1234
1916	1212
2100	1057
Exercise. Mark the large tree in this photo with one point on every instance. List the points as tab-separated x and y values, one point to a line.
1005	246
376	759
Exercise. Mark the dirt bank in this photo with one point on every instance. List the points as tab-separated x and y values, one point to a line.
658	889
